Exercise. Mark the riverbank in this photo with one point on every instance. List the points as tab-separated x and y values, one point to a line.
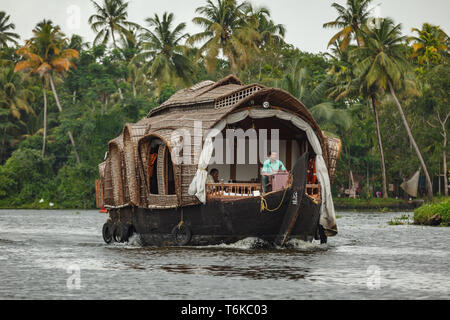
376	204
436	213
39	205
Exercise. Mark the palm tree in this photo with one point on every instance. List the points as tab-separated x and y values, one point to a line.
382	64
5	34
226	31
15	98
44	55
270	34
76	42
430	45
299	83
371	93
270	37
163	51
130	45
342	71
351	20
110	19
349	86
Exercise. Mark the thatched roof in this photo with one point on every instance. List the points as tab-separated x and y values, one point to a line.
203	92
211	101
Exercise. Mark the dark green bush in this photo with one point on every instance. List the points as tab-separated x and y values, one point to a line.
425	213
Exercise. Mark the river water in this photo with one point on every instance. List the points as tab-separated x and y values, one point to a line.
61	255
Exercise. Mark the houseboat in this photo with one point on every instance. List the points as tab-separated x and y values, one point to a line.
154	180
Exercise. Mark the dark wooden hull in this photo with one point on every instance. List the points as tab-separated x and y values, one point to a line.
220	221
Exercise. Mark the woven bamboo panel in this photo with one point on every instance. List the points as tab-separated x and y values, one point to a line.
101	170
108	194
115	161
334	149
201	93
131	135
162	170
162	201
236	97
98	193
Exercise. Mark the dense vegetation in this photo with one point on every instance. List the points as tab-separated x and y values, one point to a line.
435	213
62	99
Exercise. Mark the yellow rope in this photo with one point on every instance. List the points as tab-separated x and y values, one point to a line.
265	206
181	222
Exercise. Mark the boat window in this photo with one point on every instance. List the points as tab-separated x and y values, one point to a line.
160	175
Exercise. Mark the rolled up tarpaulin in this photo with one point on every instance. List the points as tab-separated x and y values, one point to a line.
411	185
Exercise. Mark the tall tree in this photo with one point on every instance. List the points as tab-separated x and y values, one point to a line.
349	86
15	98
5	31
226	31
44	55
270	37
298	82
164	51
382	63
110	20
434	106
351	21
430	45
14	94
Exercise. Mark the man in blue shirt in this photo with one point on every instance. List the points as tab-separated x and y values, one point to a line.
270	167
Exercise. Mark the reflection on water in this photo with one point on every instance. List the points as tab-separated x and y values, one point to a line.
40	249
250	272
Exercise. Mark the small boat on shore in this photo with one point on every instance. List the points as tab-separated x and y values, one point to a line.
153	181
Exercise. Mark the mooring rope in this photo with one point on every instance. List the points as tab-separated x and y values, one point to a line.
265	206
181	222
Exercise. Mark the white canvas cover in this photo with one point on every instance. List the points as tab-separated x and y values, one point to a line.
197	186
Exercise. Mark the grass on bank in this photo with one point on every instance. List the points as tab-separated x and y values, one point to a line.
379	204
398	221
434	214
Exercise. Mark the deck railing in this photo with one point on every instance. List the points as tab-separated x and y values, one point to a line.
313	191
232	190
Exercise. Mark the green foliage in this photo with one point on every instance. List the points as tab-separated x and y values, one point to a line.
25	177
380	204
397	221
436	210
76	186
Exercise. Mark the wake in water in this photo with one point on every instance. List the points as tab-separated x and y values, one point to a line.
250	243
133	242
253	243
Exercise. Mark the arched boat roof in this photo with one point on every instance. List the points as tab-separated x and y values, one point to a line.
210	102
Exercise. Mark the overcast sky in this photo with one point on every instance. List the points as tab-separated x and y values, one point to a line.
302	18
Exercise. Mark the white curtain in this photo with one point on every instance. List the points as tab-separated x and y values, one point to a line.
197	186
